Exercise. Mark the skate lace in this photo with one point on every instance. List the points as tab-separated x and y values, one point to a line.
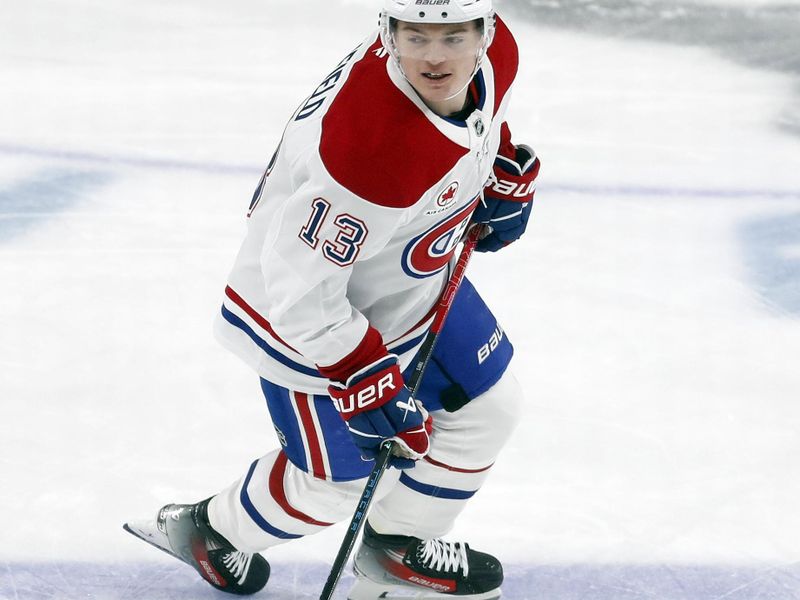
444	556
238	563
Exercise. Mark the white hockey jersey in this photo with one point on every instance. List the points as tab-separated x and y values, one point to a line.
355	223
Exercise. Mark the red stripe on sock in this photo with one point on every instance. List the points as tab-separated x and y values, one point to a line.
278	492
456	469
317	465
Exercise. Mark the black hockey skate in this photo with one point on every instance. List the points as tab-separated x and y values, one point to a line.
182	530
396	566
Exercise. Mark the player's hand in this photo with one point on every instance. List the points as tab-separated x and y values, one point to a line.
377	406
508	199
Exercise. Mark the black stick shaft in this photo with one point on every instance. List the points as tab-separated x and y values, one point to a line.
382	461
353	530
448	295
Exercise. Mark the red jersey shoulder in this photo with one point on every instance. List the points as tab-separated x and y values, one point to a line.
377	143
504	56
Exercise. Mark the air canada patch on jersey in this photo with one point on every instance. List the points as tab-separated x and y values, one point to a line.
445	200
429	252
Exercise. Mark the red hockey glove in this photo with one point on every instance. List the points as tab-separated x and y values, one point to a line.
377	406
508	198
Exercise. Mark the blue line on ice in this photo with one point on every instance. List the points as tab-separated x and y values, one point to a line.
222	168
655	191
130	161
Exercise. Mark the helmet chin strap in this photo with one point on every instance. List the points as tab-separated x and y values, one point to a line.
488	34
469	79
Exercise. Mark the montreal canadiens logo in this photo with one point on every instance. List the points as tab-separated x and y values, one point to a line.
429	253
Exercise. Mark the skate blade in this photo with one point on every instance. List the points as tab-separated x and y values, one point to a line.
365	589
148	532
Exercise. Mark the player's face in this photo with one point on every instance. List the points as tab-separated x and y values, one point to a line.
438	61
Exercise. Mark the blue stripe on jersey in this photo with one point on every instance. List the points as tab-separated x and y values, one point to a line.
237	322
244	498
285	360
481	83
434	491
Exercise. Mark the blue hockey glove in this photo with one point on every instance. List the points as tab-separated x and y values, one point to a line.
508	199
377	406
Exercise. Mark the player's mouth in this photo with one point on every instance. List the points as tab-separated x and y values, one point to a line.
436	76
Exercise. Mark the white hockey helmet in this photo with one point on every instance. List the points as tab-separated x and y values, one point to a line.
437	12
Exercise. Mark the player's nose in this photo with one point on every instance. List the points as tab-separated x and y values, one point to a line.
434	55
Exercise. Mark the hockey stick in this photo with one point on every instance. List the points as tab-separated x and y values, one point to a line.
382	461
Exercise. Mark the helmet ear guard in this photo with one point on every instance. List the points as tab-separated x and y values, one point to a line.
489	29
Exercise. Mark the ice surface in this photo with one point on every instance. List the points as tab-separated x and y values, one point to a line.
654	304
300	581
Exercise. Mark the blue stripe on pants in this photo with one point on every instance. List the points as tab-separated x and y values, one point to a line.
434	491
244	497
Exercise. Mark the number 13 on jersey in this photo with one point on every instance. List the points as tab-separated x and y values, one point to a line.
351	232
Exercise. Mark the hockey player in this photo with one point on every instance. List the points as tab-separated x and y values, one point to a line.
352	232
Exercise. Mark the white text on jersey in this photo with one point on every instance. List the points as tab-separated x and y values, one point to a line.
318	97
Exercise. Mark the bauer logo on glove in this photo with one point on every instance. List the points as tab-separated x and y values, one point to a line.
512	189
508	197
377	406
514	179
378	387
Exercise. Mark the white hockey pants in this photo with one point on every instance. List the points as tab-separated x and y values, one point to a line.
276	501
